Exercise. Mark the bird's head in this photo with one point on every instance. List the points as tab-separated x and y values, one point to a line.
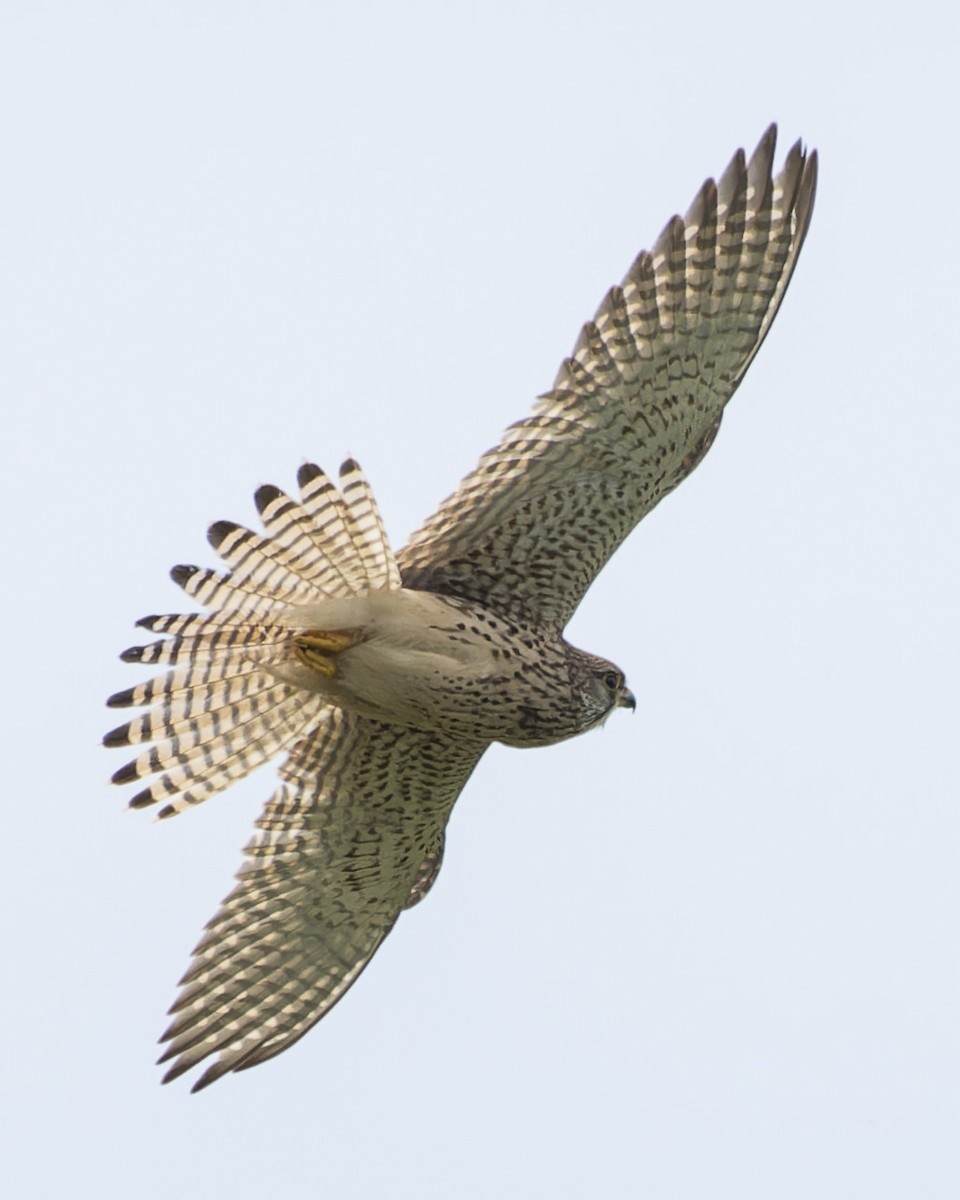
601	687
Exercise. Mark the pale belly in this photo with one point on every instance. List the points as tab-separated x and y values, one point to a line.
430	662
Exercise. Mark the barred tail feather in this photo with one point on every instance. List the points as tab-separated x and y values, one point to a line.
210	646
222	709
365	525
351	526
179	739
200	775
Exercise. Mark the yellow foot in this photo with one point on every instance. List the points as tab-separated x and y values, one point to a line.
316	647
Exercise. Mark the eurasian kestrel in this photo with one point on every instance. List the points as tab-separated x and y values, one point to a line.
385	678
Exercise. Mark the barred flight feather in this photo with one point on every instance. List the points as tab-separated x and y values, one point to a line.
316	896
635	407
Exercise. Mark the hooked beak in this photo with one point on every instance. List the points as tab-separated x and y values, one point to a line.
626	699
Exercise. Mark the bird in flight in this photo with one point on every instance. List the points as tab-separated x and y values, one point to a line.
383	677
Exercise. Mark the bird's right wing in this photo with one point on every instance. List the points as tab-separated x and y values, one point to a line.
633	410
351	837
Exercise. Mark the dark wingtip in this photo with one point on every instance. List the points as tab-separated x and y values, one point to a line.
174	1072
210	1075
122	699
180	1068
768	142
169	1051
735	170
348	465
809	184
141	800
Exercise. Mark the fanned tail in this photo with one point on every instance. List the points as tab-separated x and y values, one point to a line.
222	709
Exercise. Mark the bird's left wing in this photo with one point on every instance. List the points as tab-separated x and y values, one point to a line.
351	837
633	410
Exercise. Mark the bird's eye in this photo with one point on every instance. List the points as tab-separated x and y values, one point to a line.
612	681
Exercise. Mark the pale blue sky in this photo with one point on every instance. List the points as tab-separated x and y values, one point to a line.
710	951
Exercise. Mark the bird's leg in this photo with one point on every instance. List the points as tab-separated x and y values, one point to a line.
316	648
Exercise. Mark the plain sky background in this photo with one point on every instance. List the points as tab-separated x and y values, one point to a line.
709	951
